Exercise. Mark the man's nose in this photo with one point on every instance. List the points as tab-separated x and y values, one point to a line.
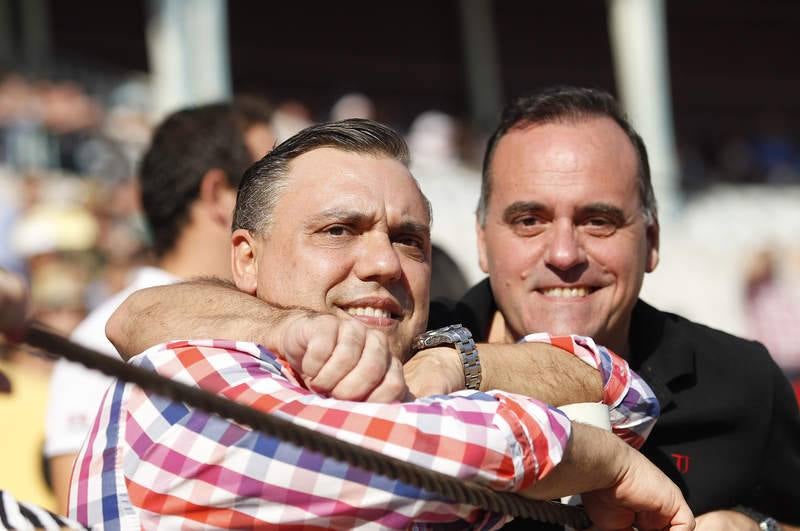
564	248
378	259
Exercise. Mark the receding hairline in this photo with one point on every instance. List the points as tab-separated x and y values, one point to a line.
572	118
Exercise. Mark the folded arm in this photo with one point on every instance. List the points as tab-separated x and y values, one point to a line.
568	369
342	358
558	370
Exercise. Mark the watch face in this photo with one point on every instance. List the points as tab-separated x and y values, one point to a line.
769	524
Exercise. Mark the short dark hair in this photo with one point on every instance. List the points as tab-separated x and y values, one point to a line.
264	182
184	147
562	104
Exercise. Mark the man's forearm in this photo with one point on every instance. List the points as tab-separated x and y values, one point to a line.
594	459
206	308
537	370
541	371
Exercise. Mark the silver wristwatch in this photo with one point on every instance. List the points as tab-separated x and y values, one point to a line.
765	523
461	340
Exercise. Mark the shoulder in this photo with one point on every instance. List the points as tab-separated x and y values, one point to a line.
712	340
677	336
91	332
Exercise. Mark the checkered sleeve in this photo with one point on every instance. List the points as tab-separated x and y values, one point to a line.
633	406
187	465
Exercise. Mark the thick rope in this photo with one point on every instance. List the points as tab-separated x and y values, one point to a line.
460	491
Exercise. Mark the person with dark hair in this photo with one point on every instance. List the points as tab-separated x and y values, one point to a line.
332	233
188	179
567	228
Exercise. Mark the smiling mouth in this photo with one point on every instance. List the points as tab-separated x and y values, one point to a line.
567	292
370	311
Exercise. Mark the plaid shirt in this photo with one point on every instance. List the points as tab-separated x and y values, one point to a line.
633	407
155	464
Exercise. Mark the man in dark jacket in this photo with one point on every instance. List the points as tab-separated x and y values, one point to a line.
567	228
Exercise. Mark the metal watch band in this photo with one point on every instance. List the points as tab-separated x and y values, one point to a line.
461	339
765	523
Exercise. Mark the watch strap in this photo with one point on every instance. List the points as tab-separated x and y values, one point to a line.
765	522
461	339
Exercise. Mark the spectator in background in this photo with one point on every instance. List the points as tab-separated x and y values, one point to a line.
255	119
16	397
290	117
188	180
451	186
776	154
772	306
353	105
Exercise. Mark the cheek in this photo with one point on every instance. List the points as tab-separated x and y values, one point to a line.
419	278
511	257
304	275
624	258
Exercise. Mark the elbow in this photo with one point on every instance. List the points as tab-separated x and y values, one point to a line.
118	326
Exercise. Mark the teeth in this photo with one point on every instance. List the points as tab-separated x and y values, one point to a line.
369	311
566	292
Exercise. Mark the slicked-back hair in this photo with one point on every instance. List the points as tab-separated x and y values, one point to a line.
567	104
264	182
184	147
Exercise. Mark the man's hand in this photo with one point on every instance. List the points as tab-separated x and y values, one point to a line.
619	486
434	371
643	499
341	358
726	521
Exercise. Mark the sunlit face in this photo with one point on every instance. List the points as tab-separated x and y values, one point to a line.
566	243
350	236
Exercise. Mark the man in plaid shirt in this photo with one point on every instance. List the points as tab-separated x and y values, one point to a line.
331	230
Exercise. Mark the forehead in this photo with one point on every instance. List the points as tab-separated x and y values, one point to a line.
590	159
375	185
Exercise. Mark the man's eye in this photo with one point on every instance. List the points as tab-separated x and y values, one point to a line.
528	225
410	241
598	222
600	226
337	230
527	221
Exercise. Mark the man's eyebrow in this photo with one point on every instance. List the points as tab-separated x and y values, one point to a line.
340	215
522	207
412	227
611	211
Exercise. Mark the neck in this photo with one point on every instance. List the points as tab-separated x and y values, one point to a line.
499	332
198	253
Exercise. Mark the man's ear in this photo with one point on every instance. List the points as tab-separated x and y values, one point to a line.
482	259
653	241
217	197
244	261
